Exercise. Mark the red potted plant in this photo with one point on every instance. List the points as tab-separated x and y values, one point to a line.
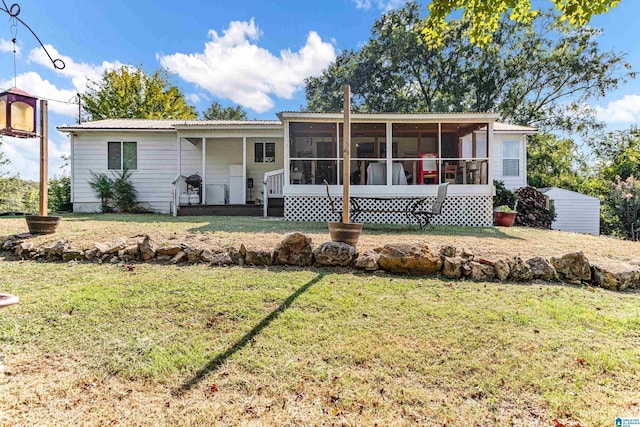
504	216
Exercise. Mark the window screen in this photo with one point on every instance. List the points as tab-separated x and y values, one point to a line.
113	154
511	158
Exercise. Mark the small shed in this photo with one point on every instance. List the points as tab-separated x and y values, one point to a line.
574	211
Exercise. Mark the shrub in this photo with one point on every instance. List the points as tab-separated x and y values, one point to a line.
60	194
125	196
102	185
624	199
504	196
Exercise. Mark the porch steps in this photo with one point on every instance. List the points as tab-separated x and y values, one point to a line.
276	208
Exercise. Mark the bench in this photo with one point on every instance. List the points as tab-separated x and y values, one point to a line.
415	208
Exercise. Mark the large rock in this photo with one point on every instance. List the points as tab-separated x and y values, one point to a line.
216	256
502	269
482	272
193	254
169	250
520	271
409	258
334	254
72	254
542	269
368	261
452	267
573	267
130	253
258	257
148	248
111	248
295	249
181	256
617	276
56	250
23	249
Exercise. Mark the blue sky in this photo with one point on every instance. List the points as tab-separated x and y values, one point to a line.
252	53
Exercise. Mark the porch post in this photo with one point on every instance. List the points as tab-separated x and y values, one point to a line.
204	170
438	161
389	150
490	156
244	170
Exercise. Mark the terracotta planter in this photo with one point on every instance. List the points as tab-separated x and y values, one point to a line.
42	224
345	232
504	219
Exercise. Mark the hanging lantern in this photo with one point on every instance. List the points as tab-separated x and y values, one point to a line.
17	114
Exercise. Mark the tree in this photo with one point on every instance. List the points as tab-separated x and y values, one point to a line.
539	74
217	112
129	92
485	16
3	161
555	162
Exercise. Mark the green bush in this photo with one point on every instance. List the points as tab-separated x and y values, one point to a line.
102	185
125	196
624	200
60	194
504	196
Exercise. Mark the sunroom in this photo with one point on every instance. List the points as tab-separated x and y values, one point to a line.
391	155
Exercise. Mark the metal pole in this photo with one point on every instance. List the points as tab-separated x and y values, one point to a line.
346	153
44	155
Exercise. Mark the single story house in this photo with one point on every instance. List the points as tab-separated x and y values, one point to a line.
575	211
258	162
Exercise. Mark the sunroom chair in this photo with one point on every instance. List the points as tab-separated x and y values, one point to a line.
422	216
428	167
450	173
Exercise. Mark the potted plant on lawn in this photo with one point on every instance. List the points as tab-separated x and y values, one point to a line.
504	216
345	231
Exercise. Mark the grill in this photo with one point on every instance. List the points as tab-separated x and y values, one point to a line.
194	186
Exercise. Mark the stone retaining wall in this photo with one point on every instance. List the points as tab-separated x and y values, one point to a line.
296	249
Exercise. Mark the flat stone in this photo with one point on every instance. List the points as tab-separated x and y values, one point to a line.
617	276
294	249
170	250
334	254
573	266
482	272
193	254
181	256
259	257
130	253
148	248
72	254
409	258
452	267
368	261
111	248
502	269
520	271
542	269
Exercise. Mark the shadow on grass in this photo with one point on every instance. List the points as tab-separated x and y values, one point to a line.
202	224
215	363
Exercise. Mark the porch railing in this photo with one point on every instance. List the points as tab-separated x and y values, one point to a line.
176	184
273	183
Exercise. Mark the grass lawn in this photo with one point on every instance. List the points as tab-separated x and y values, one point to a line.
152	344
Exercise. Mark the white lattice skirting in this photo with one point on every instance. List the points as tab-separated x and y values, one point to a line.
473	211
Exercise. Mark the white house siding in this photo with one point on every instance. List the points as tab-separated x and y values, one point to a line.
152	179
511	182
257	170
574	211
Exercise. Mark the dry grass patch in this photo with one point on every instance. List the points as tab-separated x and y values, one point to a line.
496	242
163	345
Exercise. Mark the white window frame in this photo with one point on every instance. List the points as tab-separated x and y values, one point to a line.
517	159
122	154
264	152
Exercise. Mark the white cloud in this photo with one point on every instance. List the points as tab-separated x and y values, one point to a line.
7	46
232	66
380	4
78	72
625	110
24	155
34	84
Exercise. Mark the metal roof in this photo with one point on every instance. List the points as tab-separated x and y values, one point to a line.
165	124
173	124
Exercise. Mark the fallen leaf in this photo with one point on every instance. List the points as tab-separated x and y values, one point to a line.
214	388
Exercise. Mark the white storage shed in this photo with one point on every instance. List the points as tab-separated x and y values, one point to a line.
574	211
